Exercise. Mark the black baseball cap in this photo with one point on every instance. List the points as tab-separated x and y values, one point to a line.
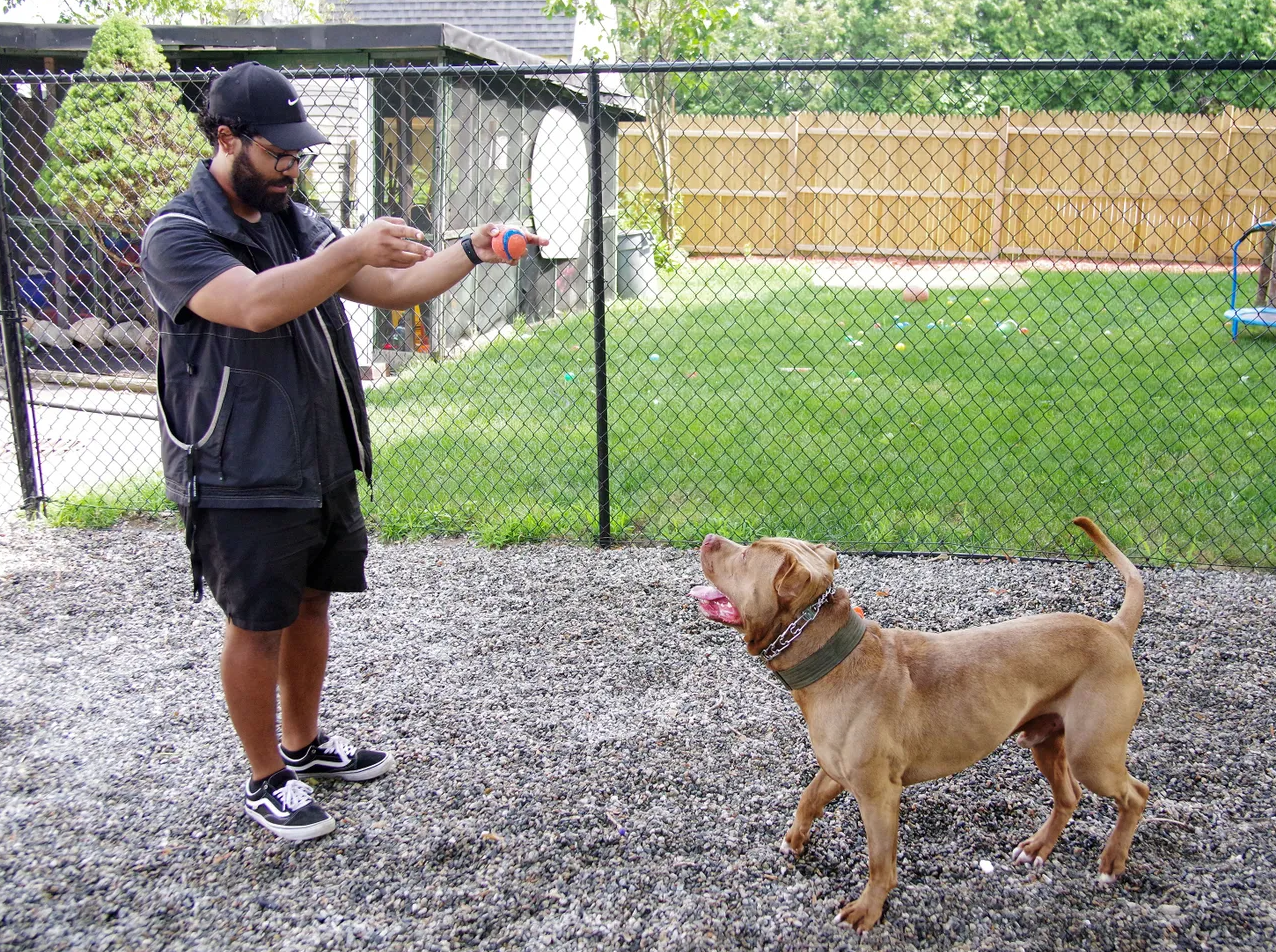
263	98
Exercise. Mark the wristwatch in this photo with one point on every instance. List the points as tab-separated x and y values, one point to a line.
468	247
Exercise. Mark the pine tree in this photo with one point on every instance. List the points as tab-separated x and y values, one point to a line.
118	152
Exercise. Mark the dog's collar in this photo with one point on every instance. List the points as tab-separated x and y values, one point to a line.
797	626
834	651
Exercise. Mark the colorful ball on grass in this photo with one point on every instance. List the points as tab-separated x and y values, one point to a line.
1008	327
901	346
915	292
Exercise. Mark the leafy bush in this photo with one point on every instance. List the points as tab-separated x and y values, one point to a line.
639	211
118	152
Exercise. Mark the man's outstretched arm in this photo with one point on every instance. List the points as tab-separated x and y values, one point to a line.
399	289
259	302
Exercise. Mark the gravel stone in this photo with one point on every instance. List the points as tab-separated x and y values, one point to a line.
587	764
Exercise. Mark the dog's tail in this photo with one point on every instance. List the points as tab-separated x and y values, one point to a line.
1127	619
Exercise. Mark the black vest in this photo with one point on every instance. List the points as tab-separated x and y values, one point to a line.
235	415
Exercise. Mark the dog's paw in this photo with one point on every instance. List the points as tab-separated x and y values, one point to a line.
794	849
860	915
794	843
1021	857
1106	879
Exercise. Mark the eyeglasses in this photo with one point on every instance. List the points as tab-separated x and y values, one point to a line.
285	161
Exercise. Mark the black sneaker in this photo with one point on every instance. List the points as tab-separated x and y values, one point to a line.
285	806
337	757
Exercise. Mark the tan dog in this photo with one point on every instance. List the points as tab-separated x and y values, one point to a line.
908	706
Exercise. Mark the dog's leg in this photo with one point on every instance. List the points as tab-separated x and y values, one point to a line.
1053	764
817	795
879	809
1098	761
1130	796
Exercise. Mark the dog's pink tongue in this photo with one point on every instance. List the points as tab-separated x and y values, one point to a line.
705	593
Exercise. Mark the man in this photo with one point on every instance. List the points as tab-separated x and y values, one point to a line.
263	422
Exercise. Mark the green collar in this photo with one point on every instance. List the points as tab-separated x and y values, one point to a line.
809	670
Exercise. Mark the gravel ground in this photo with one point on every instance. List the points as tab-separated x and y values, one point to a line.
585	763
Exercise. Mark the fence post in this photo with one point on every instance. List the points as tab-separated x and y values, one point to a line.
788	241
1219	205
997	217
15	376
599	281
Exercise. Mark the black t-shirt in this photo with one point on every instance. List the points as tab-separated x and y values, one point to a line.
185	257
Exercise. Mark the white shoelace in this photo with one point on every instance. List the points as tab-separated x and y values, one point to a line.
336	744
294	795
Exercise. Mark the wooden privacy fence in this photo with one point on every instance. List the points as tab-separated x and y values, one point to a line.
1176	188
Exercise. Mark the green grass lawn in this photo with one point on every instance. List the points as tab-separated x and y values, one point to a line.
1126	400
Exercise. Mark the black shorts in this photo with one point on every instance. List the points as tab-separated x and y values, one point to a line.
258	562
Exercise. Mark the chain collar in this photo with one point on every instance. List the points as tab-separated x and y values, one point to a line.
797	626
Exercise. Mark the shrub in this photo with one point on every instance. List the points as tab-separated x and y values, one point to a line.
639	211
118	152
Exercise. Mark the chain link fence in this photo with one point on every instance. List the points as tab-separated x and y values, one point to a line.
892	305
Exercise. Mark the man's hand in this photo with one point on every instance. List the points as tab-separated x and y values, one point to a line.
390	243
400	285
482	239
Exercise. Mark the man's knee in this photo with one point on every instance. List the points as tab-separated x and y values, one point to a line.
264	643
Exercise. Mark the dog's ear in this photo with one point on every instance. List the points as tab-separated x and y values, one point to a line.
792	579
829	556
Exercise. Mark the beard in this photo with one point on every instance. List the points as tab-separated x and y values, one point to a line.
253	190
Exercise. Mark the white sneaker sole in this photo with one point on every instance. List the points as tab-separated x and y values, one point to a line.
364	773
294	833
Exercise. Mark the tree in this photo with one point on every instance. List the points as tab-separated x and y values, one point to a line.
118	152
1213	28
991	28
651	30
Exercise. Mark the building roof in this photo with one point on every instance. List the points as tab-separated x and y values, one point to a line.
518	23
22	45
36	47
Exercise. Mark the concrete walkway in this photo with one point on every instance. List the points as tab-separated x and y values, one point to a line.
87	439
